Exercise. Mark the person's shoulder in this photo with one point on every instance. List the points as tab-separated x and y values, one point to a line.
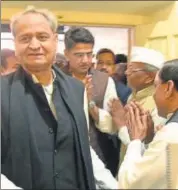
122	87
149	103
6	80
168	133
68	79
75	81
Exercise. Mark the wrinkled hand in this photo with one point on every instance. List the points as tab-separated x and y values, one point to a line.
137	121
149	122
150	129
89	87
117	112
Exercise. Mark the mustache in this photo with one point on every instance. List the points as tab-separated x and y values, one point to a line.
103	70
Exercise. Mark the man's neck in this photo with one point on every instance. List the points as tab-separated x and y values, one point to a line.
79	76
173	107
43	77
142	88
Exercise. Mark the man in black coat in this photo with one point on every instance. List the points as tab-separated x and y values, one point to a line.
44	130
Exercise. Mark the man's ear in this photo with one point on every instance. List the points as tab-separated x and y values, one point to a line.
150	78
66	54
56	38
169	88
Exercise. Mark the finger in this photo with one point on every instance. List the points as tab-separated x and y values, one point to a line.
130	122
139	107
144	124
110	105
88	80
144	119
117	103
138	118
131	115
88	76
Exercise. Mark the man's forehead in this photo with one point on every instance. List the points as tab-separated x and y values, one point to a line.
136	64
106	54
83	47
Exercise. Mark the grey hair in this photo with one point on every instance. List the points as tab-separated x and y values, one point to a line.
150	68
49	16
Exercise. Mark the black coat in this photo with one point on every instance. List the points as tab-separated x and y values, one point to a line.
17	148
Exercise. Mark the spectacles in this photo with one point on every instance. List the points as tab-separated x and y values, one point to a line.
82	55
134	70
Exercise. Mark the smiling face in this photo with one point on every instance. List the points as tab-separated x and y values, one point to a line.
35	42
138	77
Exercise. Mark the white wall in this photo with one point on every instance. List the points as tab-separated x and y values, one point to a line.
115	39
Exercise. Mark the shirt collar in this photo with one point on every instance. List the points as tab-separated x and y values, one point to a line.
143	93
35	80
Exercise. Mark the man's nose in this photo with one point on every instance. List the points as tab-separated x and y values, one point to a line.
34	44
85	58
104	66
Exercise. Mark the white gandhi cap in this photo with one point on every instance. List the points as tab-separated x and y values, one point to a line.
148	56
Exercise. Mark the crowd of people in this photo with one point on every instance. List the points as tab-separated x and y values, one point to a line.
69	123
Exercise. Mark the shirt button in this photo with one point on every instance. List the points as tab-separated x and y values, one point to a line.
56	175
50	130
55	151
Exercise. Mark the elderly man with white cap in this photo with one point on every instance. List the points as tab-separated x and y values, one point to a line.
141	72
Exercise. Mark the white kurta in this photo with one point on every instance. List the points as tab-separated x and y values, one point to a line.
7	184
148	170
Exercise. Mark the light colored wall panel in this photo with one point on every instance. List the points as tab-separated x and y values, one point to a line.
160	44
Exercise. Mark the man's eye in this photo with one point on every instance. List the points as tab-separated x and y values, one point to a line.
43	38
79	54
89	54
24	39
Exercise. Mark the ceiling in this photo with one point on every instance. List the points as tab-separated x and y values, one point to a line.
128	7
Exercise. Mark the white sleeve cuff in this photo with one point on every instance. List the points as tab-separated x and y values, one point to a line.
134	149
105	124
123	135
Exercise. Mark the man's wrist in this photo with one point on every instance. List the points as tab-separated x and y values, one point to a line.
91	104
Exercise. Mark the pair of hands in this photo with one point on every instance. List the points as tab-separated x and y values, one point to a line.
138	121
89	87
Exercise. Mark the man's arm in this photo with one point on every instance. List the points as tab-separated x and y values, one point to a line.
105	123
103	177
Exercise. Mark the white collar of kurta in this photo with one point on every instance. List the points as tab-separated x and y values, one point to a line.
47	88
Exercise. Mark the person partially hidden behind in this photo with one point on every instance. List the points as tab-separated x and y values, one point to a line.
149	168
106	63
44	136
99	90
8	61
